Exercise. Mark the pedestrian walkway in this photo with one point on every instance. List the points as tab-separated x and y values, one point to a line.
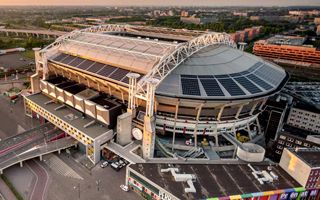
60	167
6	193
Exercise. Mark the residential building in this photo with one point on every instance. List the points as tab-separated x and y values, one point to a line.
303	164
304	117
289	48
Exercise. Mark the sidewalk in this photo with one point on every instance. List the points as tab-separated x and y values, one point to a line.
5	191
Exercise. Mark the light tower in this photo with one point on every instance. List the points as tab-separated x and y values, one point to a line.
149	121
132	92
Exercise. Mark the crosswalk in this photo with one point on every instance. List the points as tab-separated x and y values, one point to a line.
58	166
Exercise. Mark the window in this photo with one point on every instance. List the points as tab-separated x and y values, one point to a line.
143	182
283	137
306	145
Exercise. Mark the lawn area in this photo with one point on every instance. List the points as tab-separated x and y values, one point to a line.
28	54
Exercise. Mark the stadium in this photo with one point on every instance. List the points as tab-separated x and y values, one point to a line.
158	92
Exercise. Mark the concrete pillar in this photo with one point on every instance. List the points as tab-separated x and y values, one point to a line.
59	151
249	131
258	125
35	83
195	133
239	111
220	113
21	164
1	171
175	124
253	108
40	157
217	139
132	92
149	130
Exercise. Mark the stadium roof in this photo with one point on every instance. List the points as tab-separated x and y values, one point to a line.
220	72
200	65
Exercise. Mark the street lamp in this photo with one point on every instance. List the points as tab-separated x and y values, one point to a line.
77	187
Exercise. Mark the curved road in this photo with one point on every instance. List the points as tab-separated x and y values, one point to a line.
42	178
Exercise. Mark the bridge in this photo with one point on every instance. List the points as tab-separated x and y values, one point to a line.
33	33
33	143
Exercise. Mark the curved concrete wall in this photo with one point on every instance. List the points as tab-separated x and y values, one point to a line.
251	152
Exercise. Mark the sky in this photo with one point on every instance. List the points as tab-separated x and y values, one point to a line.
166	2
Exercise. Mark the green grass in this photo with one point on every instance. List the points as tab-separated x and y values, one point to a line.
12	188
28	54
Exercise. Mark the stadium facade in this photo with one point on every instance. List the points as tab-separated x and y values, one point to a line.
167	83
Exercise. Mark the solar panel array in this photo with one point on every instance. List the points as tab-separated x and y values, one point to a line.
256	79
211	87
97	68
269	74
232	88
248	85
190	86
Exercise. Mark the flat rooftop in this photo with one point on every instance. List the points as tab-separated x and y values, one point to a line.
69	115
310	155
308	92
286	40
215	180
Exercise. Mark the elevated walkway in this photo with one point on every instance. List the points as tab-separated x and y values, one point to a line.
18	156
125	152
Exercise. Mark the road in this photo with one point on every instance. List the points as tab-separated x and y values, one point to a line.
13	119
35	32
42	179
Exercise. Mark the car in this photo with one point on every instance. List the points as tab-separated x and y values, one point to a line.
115	166
124	188
104	164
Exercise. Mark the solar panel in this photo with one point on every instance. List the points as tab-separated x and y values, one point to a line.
188	76
269	74
95	67
231	87
85	65
106	70
190	86
205	76
67	59
255	66
252	88
221	76
235	74
259	82
125	80
211	87
76	62
60	57
119	74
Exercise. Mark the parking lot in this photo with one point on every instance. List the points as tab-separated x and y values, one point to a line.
14	61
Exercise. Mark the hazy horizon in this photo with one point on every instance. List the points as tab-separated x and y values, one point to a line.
160	3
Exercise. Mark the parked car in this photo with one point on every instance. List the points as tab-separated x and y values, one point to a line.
124	188
104	164
119	164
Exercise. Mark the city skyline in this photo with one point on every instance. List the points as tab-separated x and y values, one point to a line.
163	3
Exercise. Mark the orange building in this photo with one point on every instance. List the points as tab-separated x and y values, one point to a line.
287	48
